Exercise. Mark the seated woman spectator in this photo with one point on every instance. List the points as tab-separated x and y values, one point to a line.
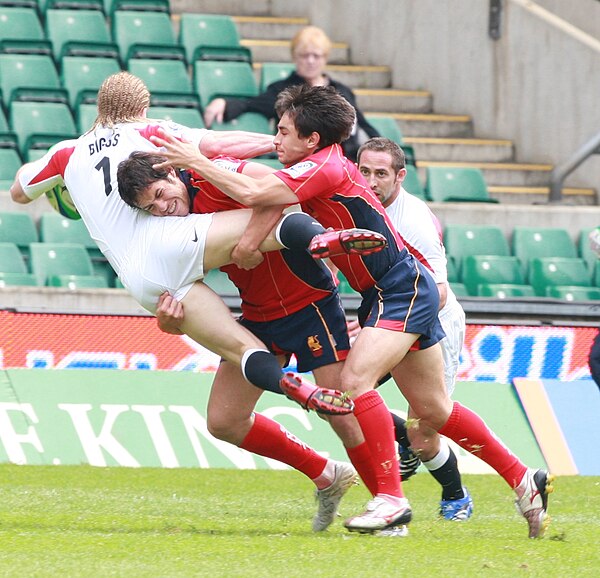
310	49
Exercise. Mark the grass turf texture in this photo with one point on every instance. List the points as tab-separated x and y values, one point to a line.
83	521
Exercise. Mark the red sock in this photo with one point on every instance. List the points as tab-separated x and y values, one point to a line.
471	433
269	439
360	456
378	428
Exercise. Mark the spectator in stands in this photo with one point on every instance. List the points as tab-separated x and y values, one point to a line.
310	50
594	357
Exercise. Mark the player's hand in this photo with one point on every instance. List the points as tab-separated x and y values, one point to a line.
177	153
246	258
215	111
169	314
353	328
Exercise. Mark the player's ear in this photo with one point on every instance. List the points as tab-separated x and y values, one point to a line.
313	140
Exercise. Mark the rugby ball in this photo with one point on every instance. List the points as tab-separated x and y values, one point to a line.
60	199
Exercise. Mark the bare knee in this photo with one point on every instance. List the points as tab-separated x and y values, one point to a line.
227	430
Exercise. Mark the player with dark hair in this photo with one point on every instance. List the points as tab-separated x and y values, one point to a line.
400	300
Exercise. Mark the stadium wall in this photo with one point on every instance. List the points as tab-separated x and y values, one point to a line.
536	85
114	390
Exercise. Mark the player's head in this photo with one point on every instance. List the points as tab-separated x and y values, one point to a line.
310	50
381	161
159	192
311	118
122	97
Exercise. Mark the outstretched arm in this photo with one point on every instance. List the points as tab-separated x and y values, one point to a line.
236	143
250	192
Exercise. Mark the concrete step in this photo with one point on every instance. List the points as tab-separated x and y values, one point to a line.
264	50
460	149
431	124
394	100
268	27
539	195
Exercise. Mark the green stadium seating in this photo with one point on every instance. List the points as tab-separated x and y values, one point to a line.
463	240
211	37
10	162
83	75
86	115
167	80
273	71
456	184
214	79
141	34
451	270
573	292
74	282
21	31
220	283
18	228
248	121
585	251
459	289
530	242
11	259
386	126
412	183
55	228
39	125
17	279
79	33
31	77
478	269
504	290
48	259
548	271
73	5
189	117
141	5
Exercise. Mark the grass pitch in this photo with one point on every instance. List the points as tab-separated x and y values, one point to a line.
99	522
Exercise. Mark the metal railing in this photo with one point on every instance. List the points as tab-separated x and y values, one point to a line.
561	172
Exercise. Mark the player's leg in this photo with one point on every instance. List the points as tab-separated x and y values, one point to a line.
208	321
296	231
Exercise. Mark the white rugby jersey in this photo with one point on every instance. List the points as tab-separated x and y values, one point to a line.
87	166
421	232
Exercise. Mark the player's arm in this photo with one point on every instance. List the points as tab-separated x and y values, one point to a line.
237	143
251	192
16	190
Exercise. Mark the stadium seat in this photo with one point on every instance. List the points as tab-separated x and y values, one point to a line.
21	31
145	35
83	75
141	5
344	287
31	77
547	271
573	292
530	242
220	283
273	71
18	228
39	125
386	126
248	121
585	251
409	155
11	259
48	259
456	184
214	79
85	116
167	80
451	270
463	240
479	269
459	289
55	228
190	117
17	279
10	162
211	37
504	290
74	282
79	33
73	5
412	183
